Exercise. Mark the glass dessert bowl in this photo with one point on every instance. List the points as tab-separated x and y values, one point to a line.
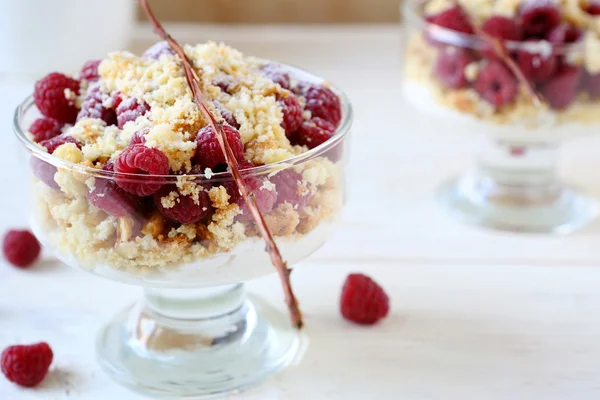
184	234
484	67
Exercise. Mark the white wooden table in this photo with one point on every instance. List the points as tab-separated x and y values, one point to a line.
475	315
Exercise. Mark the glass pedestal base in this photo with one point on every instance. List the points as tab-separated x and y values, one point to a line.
520	209
181	344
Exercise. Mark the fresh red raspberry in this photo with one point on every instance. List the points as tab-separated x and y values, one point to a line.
287	183
226	114
185	210
495	84
322	102
564	34
231	186
52	144
592	84
502	28
141	160
89	71
454	19
44	171
158	49
363	301
21	248
450	67
535	66
50	98
208	150
593	8
139	137
264	195
538	17
292	114
26	366
93	107
129	110
314	132
561	89
275	73
110	198
45	128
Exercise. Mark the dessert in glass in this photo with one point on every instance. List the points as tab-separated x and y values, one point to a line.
129	183
525	74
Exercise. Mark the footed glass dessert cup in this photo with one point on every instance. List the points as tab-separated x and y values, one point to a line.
195	333
452	72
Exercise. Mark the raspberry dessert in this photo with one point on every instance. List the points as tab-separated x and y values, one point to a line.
554	43
130	176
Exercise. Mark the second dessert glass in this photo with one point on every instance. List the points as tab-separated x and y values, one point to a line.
195	333
514	185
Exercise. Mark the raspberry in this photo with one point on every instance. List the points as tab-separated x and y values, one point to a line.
538	17
314	132
535	66
141	160
45	128
503	28
560	91
292	114
21	248
231	186
226	114
26	365
208	150
321	102
116	99
158	49
57	141
288	187
454	19
275	73
44	171
110	198
130	110
592	84
50	98
263	194
139	137
226	83
89	71
185	210
593	8
450	67
363	301
93	107
495	84
564	33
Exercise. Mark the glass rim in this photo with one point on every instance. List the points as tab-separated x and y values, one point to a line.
411	13
346	122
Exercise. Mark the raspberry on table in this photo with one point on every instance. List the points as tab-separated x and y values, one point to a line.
21	248
139	137
51	98
45	128
185	209
44	171
129	110
264	194
314	132
561	89
113	200
26	365
89	71
158	49
292	114
322	102
495	84
564	34
53	143
141	160
93	107
208	150
363	301
450	67
538	17
535	66
454	19
226	114
287	184
275	73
